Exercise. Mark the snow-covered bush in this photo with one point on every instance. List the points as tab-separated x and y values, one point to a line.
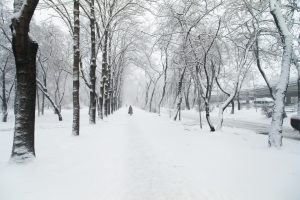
267	110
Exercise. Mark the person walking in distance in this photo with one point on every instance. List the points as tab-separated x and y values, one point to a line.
130	111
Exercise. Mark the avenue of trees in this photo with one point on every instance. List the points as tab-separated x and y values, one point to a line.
211	47
193	49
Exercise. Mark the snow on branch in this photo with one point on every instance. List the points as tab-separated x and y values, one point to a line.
45	92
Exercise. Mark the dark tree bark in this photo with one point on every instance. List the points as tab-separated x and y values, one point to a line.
93	66
238	100
112	94
179	94
43	97
4	101
199	106
76	61
3	98
103	87
25	50
165	70
232	106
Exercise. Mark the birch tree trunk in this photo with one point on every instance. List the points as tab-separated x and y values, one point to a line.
25	50
275	134
76	61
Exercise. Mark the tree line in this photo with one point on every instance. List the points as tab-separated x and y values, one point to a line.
216	47
192	50
95	52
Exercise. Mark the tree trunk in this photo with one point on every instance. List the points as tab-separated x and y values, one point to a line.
186	97
153	92
179	94
4	101
275	134
238	100
103	87
163	94
76	40
92	113
165	79
223	107
109	75
25	50
43	96
212	128
187	104
195	96
112	95
232	107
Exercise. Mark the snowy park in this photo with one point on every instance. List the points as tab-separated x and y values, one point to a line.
149	99
146	156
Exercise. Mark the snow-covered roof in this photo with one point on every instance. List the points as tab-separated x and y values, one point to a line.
267	99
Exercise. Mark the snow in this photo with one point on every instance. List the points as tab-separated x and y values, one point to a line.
147	157
251	114
265	99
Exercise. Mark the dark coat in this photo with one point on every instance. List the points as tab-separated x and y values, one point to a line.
130	111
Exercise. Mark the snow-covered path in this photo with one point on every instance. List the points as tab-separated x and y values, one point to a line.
147	157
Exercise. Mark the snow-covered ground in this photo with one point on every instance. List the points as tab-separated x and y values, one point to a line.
250	119
148	157
250	115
